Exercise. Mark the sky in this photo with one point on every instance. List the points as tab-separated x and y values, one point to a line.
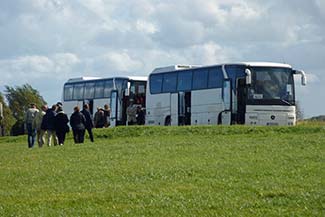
46	42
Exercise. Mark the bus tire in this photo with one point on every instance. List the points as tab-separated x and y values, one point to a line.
168	121
220	118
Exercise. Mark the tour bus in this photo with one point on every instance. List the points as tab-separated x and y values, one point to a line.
117	92
253	93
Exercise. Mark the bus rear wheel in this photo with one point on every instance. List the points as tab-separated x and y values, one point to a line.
168	121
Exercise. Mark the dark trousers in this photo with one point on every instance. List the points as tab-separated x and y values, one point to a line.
61	137
90	133
78	135
31	135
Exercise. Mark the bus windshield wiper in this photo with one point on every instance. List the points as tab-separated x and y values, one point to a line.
286	102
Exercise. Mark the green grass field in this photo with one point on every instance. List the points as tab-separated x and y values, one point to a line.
169	171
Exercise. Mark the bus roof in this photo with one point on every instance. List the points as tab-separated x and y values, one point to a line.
267	64
71	80
86	79
173	68
253	64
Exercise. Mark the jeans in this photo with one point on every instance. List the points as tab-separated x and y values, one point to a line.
51	135
31	135
41	137
78	135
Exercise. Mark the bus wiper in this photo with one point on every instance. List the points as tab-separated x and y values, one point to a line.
286	102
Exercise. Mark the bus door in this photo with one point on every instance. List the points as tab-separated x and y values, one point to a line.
227	100
90	102
114	108
241	100
172	117
184	108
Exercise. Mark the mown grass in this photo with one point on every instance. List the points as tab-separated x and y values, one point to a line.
169	171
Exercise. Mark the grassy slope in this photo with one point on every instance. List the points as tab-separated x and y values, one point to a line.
169	171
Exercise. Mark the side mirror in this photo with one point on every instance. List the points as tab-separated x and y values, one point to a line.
226	95
303	76
248	76
127	90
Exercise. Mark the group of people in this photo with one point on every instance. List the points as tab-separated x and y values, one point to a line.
101	117
50	125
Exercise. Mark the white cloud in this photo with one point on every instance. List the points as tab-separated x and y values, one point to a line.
145	26
29	68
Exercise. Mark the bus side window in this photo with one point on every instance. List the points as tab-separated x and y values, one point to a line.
215	78
68	92
169	82
156	83
99	89
78	91
89	90
184	81
200	79
108	87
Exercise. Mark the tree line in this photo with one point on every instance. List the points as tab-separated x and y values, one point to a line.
15	101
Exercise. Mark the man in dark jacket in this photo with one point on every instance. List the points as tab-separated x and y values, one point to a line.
78	122
89	121
61	125
48	125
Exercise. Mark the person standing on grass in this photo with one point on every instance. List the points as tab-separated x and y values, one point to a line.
30	126
78	122
140	115
107	113
99	118
89	125
61	125
48	125
38	123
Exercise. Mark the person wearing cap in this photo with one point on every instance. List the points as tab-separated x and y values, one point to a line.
107	113
59	104
30	125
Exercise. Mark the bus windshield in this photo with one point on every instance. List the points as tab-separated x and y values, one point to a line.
271	84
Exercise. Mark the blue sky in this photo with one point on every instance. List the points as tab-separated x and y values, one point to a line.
46	42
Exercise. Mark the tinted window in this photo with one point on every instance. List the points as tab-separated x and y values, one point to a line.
89	90
121	85
234	72
169	82
200	79
215	77
99	89
78	91
108	88
68	91
184	81
156	83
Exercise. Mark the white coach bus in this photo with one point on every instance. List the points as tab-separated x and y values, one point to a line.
245	93
117	92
